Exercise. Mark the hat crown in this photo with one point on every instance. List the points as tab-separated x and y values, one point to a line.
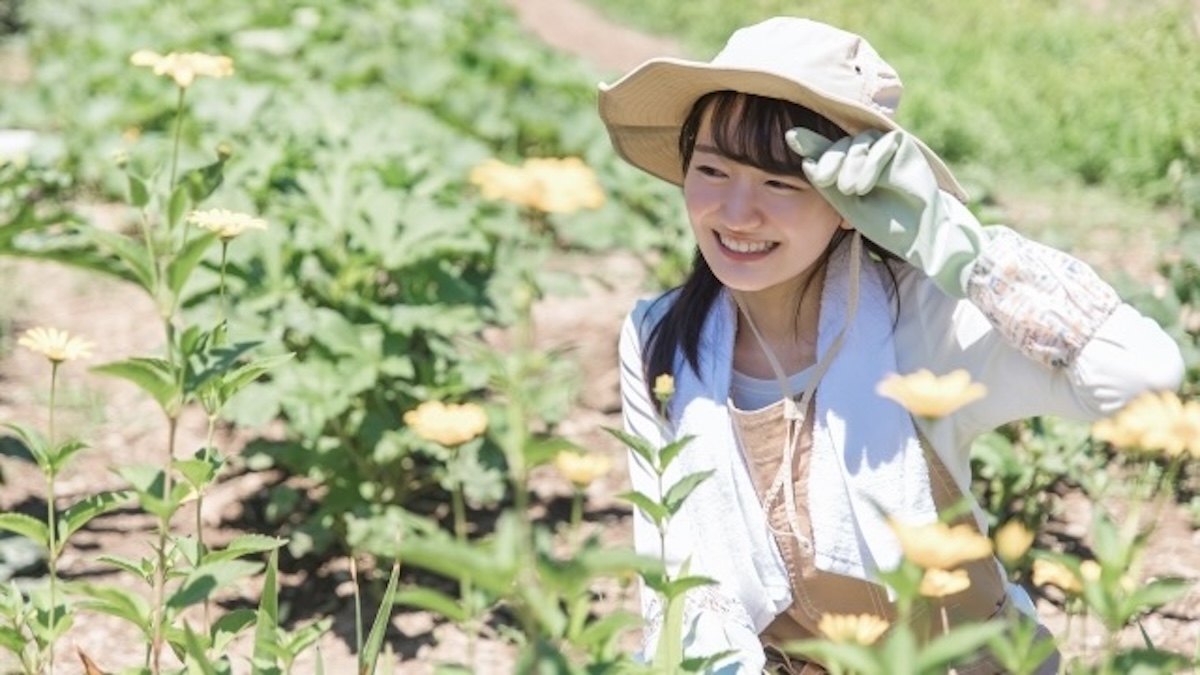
830	61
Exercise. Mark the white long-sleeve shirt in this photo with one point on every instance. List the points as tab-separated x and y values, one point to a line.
1038	329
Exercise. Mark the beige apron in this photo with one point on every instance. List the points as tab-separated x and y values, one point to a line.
761	434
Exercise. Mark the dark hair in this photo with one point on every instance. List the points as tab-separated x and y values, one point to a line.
749	130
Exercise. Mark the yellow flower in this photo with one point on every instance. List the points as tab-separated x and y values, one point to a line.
186	67
664	387
566	185
56	345
859	629
940	546
448	425
926	395
1050	573
939	583
547	184
581	469
1154	422
226	224
1012	541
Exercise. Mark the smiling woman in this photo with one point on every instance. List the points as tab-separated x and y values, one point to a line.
833	250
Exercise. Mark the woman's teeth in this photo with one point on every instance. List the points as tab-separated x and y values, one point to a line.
743	246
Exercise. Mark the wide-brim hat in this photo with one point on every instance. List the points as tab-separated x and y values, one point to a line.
830	71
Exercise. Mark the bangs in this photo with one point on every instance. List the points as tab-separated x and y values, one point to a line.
750	130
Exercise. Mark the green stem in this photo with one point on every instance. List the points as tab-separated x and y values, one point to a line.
200	549
158	627
576	517
178	135
465	591
51	515
221	283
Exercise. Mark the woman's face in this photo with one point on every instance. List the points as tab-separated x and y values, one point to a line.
756	230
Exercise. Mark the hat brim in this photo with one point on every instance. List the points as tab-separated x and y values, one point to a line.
645	109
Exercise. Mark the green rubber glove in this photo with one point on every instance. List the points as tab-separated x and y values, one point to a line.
881	183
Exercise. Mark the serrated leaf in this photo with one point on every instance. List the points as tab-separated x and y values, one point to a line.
246	544
206	579
118	602
680	490
149	483
138	568
156	377
245	374
199	471
34	441
61	455
83	511
26	526
668	454
653	510
637	444
226	629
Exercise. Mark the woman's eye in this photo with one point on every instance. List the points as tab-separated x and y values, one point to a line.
781	185
709	171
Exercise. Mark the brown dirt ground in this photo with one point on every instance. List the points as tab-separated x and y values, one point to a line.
125	428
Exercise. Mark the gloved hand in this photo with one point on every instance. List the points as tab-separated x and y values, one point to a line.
881	183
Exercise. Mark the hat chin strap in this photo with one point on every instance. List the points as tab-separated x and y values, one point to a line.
793	413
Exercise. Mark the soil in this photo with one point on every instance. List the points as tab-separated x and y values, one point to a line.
125	428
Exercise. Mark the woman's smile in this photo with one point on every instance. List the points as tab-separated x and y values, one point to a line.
744	249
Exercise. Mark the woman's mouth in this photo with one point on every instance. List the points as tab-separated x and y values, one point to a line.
745	247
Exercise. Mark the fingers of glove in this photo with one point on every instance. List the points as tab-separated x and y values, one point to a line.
825	173
815	148
867	160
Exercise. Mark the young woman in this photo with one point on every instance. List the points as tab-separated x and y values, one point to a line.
834	249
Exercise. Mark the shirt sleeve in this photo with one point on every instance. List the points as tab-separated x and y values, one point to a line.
713	621
1041	331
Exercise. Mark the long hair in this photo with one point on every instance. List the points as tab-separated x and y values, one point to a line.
749	130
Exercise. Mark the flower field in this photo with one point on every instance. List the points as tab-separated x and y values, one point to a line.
310	368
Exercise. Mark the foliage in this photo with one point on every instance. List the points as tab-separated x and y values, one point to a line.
1104	95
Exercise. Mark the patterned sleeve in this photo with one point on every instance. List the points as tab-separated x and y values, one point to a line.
1044	302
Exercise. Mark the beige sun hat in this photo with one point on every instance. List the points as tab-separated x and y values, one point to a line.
828	70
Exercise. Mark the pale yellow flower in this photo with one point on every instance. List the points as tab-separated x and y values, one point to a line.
550	185
1154	422
858	629
224	223
1012	541
926	395
940	546
581	469
56	345
184	68
566	185
1050	573
937	583
664	387
448	425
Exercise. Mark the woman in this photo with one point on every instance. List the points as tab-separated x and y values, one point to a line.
833	249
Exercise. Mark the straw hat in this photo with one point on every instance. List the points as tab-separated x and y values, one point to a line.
828	70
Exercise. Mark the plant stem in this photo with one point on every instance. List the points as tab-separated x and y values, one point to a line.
158	627
458	504
178	135
200	550
51	516
576	517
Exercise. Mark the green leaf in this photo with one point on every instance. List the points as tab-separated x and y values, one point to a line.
81	512
540	450
196	659
35	441
118	602
139	196
637	444
672	450
61	455
434	601
680	491
203	181
156	377
603	634
266	632
177	206
26	526
135	260
226	629
956	646
149	483
180	268
12	640
203	581
653	510
370	656
850	658
138	568
238	379
246	544
199	472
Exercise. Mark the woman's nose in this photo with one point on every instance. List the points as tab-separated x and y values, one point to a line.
739	207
